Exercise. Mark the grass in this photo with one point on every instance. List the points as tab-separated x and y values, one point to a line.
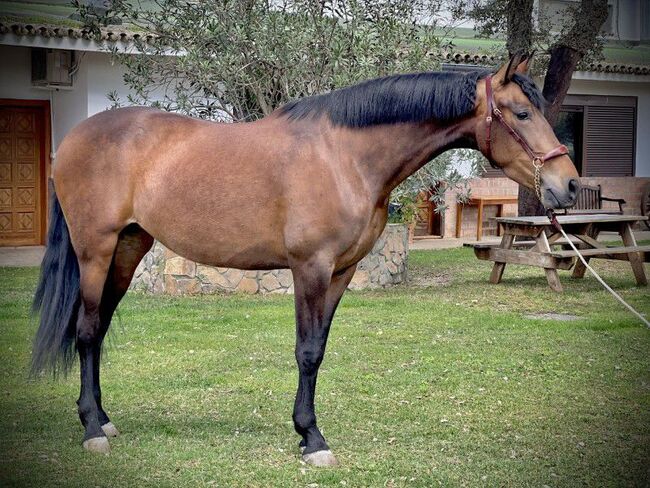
441	382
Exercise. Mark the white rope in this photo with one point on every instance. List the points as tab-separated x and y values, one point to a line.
616	295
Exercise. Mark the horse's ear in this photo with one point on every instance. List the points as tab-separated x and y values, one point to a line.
525	64
518	61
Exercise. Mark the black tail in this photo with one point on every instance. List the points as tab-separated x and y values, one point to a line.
56	299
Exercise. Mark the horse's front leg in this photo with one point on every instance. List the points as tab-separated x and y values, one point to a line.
317	294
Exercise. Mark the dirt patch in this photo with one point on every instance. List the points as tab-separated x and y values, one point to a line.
565	317
424	279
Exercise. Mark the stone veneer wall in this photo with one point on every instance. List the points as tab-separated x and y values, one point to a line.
162	271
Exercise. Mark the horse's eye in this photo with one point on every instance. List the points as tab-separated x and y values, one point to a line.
522	115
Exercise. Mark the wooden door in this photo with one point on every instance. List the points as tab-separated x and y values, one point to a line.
428	222
22	174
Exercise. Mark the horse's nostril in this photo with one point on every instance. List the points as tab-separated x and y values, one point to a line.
574	188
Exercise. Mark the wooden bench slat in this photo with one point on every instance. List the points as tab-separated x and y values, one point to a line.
493	252
526	243
601	251
542	221
528	258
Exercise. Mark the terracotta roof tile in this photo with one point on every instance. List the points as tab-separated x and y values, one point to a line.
126	36
603	67
111	35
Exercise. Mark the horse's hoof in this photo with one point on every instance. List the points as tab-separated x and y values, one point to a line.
320	458
97	444
110	430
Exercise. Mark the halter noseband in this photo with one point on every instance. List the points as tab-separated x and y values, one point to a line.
538	159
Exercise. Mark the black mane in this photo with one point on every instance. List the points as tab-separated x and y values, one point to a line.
415	97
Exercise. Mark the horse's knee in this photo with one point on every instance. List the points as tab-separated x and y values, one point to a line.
309	357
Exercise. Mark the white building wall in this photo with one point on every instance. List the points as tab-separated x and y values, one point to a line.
67	106
641	90
104	76
15	75
95	78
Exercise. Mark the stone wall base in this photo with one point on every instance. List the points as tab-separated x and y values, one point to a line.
163	272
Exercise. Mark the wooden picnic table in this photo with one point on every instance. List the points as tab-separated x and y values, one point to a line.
480	202
583	230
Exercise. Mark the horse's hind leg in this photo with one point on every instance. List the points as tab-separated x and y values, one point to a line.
132	245
105	275
94	263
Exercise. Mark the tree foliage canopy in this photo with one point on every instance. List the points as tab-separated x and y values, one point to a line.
243	58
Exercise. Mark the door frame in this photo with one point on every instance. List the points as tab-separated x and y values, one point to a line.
45	163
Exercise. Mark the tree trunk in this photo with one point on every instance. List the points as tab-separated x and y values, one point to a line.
520	26
565	56
520	30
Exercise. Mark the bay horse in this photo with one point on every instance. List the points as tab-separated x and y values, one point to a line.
305	188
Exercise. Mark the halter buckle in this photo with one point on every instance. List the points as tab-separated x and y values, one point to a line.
488	119
538	162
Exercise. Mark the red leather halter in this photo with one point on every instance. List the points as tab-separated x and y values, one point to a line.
538	159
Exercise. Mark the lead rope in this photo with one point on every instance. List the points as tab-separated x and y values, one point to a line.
556	224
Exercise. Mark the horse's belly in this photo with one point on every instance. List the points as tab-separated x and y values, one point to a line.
224	248
234	232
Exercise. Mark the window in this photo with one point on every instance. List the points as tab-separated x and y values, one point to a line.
569	129
600	132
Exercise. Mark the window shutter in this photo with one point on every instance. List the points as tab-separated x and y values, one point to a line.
610	141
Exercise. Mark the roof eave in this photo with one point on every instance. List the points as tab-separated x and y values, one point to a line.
69	43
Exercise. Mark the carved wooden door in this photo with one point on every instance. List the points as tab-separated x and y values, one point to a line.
21	176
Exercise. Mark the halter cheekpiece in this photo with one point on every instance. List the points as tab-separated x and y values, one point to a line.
537	159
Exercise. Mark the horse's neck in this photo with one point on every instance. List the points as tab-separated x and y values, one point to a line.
389	154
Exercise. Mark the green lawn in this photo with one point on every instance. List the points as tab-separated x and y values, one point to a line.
441	382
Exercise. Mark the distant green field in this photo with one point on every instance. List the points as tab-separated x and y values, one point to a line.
56	13
49	9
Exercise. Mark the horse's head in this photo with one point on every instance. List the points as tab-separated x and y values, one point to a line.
514	135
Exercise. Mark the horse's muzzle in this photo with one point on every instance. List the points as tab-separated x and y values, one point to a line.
561	197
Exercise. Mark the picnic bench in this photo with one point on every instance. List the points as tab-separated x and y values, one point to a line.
535	247
590	200
481	202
